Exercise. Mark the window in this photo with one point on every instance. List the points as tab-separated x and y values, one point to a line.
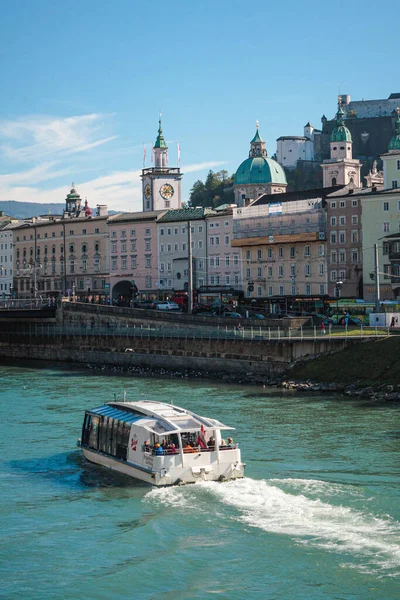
114	264
217	261
385	206
385	227
270	253
394	184
354	203
308	289
354	236
133	262
217	240
176	247
123	233
183	230
270	290
259	271
259	291
342	220
333	204
321	269
161	231
333	221
211	241
342	256
307	251
292	270
322	289
248	255
342	237
259	254
200	229
148	232
281	290
133	232
123	247
354	256
248	273
227	240
292	252
236	279
280	252
343	204
184	247
169	230
354	219
148	262
161	247
270	272
97	230
227	280
385	248
321	250
114	234
227	261
293	290
169	267
398	165
147	245
342	275
235	260
307	270
212	261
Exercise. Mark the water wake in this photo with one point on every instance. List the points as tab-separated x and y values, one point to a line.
312	521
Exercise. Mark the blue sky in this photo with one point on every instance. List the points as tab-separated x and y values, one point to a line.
83	83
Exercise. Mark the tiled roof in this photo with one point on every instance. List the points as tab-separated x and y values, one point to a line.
302	195
185	214
136	216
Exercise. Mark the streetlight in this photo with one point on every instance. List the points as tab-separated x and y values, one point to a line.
338	287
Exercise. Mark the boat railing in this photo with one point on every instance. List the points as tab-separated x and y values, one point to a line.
191	450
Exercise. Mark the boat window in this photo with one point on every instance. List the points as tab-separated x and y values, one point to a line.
93	434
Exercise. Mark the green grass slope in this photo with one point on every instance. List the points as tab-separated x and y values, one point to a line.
369	363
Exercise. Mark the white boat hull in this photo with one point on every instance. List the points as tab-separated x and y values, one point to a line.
174	470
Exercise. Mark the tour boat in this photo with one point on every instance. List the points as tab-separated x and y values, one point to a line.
161	444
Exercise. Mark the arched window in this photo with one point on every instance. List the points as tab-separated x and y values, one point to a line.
333	180
71	248
84	248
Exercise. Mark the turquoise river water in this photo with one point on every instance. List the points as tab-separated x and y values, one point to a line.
317	515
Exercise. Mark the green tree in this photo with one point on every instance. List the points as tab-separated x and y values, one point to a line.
216	190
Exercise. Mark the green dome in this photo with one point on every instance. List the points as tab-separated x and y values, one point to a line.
340	133
394	143
259	170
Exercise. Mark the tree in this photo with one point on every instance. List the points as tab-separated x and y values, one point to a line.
216	190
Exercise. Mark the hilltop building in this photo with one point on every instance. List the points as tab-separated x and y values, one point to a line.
161	184
292	148
258	174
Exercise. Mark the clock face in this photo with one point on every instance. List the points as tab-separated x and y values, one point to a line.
147	191
167	191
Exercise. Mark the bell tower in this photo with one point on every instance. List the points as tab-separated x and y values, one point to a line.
161	184
341	168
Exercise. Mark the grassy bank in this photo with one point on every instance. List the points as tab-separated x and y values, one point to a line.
369	363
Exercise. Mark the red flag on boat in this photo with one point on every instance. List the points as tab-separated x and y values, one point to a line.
201	440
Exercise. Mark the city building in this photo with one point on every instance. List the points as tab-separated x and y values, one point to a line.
177	229
63	255
291	149
258	174
283	243
161	184
134	256
7	224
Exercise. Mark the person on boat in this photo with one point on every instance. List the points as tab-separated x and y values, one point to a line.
171	448
164	444
159	450
211	442
188	448
223	442
146	446
230	443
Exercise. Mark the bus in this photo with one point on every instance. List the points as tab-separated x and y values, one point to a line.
358	309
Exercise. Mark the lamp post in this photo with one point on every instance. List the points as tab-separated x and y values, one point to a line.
34	269
338	287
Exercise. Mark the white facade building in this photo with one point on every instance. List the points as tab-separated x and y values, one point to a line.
292	148
224	262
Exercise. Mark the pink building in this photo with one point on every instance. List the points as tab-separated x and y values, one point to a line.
133	256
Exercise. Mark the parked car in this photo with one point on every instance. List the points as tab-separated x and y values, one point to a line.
256	316
149	304
202	308
351	321
167	306
233	315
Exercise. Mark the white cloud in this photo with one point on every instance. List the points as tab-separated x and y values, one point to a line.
121	190
37	137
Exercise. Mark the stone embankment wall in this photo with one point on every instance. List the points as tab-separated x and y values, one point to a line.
261	358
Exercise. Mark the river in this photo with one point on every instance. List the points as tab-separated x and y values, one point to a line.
317	515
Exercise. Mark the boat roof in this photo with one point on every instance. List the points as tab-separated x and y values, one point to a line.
159	417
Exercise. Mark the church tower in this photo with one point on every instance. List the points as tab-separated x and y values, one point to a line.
161	184
391	159
341	168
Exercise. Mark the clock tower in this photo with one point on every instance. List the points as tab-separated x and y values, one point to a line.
161	184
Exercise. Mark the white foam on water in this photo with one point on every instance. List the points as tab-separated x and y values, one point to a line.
310	521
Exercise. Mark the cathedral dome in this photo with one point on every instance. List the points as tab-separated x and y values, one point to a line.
259	170
341	133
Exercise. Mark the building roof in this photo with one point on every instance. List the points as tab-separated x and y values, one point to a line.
257	137
293	137
340	133
290	196
136	216
185	214
160	142
260	170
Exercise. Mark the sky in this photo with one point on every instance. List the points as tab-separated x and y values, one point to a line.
83	84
